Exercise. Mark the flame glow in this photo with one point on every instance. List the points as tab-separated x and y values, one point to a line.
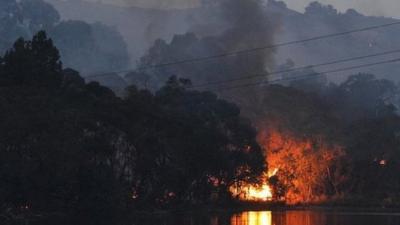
298	165
249	192
263	193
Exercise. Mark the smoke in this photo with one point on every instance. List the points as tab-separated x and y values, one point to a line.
250	28
224	26
388	8
229	26
139	26
154	4
215	27
237	24
164	4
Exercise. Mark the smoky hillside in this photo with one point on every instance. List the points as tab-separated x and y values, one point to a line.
107	42
158	37
87	47
142	27
319	19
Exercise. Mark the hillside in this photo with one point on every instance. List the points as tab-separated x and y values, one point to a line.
141	27
320	20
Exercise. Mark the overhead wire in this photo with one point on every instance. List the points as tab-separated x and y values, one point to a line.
245	51
296	69
303	77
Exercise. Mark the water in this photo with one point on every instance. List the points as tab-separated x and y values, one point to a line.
273	218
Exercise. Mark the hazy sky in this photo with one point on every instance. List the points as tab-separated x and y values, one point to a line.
389	8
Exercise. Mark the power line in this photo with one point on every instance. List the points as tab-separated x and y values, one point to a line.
295	69
247	51
307	76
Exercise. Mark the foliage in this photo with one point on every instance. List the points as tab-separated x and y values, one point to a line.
374	147
362	96
198	147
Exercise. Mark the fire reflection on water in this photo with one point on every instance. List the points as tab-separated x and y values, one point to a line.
279	218
252	218
284	217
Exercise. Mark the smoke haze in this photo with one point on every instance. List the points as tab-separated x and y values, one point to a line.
155	4
388	8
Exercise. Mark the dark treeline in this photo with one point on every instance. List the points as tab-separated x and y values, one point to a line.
75	147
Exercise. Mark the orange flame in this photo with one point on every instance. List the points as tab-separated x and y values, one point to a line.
304	165
250	192
263	193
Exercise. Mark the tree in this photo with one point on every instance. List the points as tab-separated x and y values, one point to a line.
316	8
308	170
194	145
35	62
362	96
72	146
62	147
373	147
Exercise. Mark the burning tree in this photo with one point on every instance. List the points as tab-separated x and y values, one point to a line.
307	169
301	138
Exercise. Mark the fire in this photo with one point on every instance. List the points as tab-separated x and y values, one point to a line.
306	165
302	169
250	192
263	193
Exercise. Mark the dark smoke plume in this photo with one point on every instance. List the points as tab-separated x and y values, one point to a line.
240	24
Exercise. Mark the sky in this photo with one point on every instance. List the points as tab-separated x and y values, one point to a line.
389	8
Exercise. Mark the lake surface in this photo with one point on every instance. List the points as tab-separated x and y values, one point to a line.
274	218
